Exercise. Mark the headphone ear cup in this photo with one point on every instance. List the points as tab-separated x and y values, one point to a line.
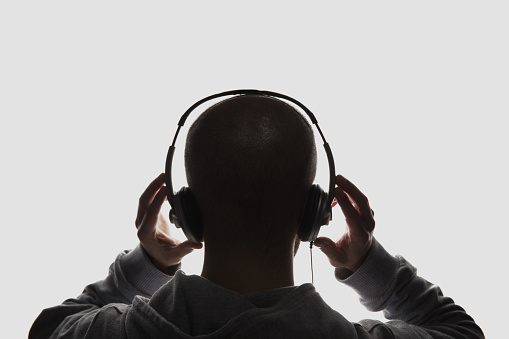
186	215
315	214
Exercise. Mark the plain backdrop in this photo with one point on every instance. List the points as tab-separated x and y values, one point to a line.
412	97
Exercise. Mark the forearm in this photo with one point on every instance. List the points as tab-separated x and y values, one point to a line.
131	274
391	284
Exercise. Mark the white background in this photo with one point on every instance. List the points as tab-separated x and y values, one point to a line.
412	97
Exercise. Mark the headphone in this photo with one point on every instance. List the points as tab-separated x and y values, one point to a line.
185	213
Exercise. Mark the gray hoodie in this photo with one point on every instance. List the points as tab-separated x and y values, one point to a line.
138	301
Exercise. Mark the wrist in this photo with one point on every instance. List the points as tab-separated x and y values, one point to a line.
171	270
141	273
168	270
375	277
360	262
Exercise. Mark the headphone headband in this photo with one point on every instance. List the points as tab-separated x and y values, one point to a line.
171	150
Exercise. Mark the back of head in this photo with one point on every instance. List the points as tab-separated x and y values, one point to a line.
250	161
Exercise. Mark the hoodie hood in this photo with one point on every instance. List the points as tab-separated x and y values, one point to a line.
192	306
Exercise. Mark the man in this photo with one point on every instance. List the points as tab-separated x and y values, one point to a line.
250	162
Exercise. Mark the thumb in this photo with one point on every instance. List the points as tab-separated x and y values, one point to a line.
193	245
326	245
331	250
187	247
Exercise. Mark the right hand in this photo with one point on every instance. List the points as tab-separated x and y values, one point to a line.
353	247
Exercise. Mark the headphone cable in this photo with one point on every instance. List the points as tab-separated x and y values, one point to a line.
311	256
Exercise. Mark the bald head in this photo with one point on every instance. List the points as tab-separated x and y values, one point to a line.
250	161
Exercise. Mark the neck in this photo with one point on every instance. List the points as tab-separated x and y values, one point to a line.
247	271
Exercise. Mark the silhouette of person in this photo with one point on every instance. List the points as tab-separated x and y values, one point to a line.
250	161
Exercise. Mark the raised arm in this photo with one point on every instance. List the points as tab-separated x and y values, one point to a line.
141	271
416	307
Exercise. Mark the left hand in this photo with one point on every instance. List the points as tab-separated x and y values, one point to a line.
353	247
153	229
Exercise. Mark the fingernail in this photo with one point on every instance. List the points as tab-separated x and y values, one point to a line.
319	244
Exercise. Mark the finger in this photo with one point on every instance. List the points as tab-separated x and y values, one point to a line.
356	224
147	196
156	204
359	198
346	205
149	220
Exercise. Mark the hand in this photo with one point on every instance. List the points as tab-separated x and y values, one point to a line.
153	229
353	247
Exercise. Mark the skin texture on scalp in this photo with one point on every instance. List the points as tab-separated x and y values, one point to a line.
250	161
